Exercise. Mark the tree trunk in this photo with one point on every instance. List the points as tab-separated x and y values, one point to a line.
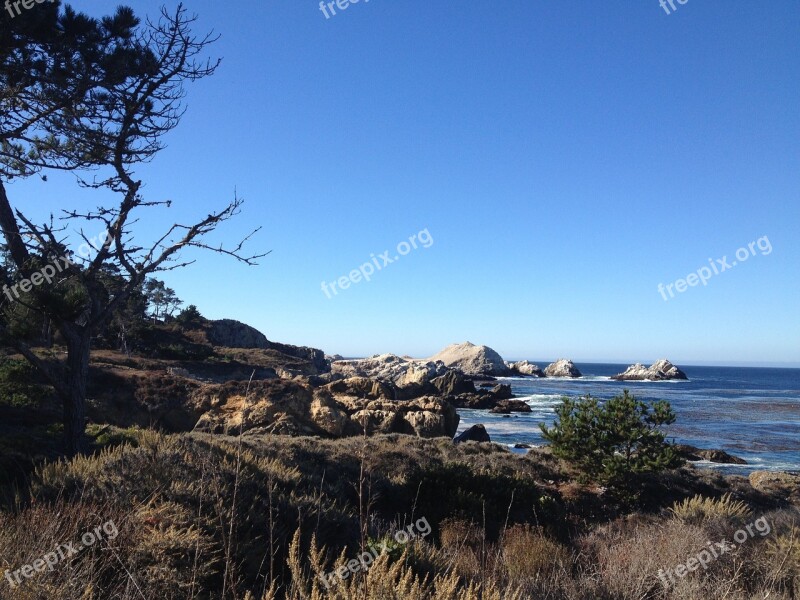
47	332
78	343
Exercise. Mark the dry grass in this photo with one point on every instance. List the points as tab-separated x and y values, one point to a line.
259	518
700	509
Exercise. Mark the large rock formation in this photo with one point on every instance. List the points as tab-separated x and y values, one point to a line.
409	378
660	370
425	417
472	360
524	367
234	334
290	408
562	368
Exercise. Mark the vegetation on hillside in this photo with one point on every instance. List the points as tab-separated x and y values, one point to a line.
262	517
614	441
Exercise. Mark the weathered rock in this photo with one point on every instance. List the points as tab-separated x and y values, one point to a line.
476	433
328	415
377	421
502	391
524	367
291	408
427	424
660	370
505	407
483	400
785	486
720	456
562	368
472	360
716	456
411	378
361	387
229	411
453	383
523	446
426	417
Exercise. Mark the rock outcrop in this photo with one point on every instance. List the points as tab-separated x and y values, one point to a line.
505	407
410	378
660	370
229	333
472	360
524	367
715	456
562	368
285	407
453	383
502	391
425	417
234	334
476	433
361	387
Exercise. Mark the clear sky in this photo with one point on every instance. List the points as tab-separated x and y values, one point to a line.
565	158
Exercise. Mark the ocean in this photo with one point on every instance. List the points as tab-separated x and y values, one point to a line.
753	413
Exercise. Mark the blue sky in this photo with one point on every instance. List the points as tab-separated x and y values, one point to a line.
565	157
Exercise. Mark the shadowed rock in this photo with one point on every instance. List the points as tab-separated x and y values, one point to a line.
476	433
505	407
715	456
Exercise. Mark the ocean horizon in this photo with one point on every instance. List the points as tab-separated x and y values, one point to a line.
750	412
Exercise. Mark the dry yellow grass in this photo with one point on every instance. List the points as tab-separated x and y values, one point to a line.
496	532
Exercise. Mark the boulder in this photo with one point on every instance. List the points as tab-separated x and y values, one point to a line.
472	360
377	421
328	415
715	456
476	433
230	410
483	400
417	413
562	368
524	367
502	391
661	370
505	407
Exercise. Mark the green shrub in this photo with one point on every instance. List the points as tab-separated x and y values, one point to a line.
614	441
18	388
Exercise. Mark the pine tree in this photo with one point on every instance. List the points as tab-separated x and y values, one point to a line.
614	441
